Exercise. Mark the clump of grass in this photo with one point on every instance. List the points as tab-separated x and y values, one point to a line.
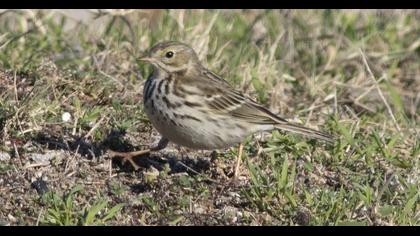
351	73
62	210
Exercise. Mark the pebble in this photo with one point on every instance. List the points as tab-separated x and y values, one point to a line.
11	218
259	32
151	174
4	156
199	210
178	212
302	217
152	171
66	117
40	186
41	158
231	213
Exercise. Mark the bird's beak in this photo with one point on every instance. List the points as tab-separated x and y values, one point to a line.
146	59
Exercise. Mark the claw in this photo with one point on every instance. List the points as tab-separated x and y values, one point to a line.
128	156
131	161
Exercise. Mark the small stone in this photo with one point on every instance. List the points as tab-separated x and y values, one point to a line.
42	158
38	175
4	156
66	117
267	219
40	186
233	194
178	212
231	214
152	171
259	32
11	218
151	174
199	210
303	217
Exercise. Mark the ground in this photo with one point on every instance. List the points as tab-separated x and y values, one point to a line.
71	89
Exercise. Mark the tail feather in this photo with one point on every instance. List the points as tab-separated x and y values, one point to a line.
311	133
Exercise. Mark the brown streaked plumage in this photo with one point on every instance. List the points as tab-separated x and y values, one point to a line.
193	107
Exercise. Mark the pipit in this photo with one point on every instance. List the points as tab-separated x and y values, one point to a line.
193	107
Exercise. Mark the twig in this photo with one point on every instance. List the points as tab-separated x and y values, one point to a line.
380	91
110	168
17	154
94	127
368	90
39	216
36	165
15	88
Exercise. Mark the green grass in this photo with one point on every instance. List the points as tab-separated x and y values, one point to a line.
62	211
306	65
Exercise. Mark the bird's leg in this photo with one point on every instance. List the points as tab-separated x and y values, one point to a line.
128	156
238	162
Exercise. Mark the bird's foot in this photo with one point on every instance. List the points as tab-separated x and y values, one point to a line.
128	156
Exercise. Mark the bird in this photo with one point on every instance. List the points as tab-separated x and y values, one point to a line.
191	106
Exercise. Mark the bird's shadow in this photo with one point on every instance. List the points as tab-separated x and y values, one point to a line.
115	141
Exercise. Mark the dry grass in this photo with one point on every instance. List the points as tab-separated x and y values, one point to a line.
352	73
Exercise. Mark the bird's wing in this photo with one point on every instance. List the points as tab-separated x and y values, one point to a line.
222	98
208	75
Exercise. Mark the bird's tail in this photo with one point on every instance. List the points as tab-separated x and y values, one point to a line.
311	133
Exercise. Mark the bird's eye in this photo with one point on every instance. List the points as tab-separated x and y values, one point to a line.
169	54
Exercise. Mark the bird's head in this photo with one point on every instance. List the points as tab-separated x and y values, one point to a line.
172	56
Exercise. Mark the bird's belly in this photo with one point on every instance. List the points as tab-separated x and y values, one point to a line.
195	130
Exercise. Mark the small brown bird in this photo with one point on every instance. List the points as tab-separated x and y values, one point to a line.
193	107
